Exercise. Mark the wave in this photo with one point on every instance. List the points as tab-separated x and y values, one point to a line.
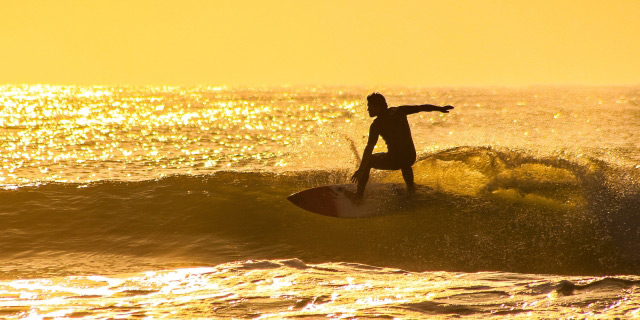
496	209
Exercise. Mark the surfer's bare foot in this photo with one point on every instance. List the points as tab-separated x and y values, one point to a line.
353	196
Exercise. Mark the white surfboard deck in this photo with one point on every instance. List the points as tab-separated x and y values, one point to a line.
332	201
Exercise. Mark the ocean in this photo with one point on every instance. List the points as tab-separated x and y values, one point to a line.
170	202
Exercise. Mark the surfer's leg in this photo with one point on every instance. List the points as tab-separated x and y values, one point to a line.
407	174
384	161
379	160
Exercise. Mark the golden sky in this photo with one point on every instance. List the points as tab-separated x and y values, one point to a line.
333	42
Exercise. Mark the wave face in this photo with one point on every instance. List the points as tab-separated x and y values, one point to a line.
497	209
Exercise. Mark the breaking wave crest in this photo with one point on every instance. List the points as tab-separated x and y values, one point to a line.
497	209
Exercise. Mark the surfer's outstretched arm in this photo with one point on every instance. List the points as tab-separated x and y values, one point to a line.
424	108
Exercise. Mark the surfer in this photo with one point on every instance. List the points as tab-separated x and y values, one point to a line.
391	124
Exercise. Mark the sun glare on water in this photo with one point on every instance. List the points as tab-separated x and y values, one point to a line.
79	134
290	288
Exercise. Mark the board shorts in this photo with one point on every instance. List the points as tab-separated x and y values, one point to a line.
389	161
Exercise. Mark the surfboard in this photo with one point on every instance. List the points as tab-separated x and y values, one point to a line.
332	200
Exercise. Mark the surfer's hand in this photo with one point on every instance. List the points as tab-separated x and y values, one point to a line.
446	109
356	176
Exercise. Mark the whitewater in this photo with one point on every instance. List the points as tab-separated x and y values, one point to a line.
170	202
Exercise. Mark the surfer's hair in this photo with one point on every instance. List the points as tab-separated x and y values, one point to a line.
377	99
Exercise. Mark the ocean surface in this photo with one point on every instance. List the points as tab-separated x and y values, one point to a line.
170	202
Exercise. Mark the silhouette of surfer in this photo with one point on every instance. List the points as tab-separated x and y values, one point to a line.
392	125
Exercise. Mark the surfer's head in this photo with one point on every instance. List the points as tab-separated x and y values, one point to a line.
376	104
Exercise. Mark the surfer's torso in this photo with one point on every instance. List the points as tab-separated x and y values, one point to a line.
394	129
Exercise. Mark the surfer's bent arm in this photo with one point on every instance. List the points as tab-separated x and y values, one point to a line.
424	108
368	150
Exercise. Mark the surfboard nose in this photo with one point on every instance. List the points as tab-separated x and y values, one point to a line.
306	201
318	200
296	199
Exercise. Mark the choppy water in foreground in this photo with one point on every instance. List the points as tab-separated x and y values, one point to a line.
277	289
170	202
